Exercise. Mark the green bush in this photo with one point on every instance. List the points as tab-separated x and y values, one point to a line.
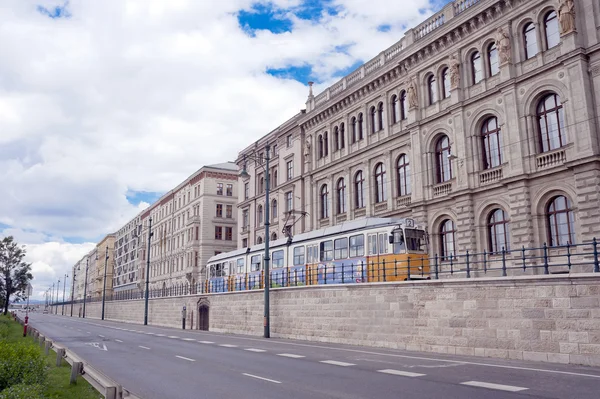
23	391
21	363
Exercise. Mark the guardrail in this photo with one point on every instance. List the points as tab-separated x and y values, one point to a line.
100	381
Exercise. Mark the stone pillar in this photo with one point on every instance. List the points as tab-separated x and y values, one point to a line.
466	238
587	181
521	217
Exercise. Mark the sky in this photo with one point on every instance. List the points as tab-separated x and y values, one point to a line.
105	105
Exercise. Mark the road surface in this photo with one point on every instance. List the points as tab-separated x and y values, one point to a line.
159	363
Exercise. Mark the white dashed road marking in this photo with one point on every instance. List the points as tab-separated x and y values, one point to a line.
173	336
143	347
290	355
261	378
401	373
118	340
206	342
101	336
160	335
228	346
255	350
497	387
185	358
336	363
188	339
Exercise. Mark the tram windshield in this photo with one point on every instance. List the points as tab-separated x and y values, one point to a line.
409	240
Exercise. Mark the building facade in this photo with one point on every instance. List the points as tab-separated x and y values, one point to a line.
125	253
480	123
104	260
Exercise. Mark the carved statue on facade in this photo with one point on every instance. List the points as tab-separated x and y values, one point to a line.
307	147
566	16
413	99
454	73
503	46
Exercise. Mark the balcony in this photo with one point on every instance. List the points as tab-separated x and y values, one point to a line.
404	201
490	176
442	189
551	159
380	207
192	220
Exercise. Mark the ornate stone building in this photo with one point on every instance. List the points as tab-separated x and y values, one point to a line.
480	123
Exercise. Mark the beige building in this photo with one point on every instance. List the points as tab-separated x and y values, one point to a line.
190	223
78	284
481	123
105	257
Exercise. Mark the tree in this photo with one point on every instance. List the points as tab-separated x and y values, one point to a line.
15	274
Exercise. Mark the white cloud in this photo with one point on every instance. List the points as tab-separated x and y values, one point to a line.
124	95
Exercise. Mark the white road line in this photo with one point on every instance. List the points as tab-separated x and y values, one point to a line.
89	332
206	342
143	347
255	350
228	346
290	355
498	387
100	335
188	339
149	333
399	372
261	378
185	358
336	363
118	340
173	336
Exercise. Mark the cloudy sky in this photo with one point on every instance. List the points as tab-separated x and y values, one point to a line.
105	105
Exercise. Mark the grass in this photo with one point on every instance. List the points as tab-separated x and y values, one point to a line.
57	385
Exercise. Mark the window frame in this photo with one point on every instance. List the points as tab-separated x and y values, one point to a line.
493	54
298	256
356	249
527	29
547	20
446	252
432	89
555	237
476	68
326	251
341	196
380	183
494	240
359	190
442	152
403	175
446	83
324	199
487	136
340	251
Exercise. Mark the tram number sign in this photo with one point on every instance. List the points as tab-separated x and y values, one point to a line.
410	222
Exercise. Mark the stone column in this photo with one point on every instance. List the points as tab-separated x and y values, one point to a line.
521	217
587	181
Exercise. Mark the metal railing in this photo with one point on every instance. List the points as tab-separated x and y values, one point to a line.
569	258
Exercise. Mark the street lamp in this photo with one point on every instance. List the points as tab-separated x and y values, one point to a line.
64	289
57	288
87	263
244	175
51	298
73	289
104	289
150	234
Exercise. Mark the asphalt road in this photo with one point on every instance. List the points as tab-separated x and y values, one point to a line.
160	363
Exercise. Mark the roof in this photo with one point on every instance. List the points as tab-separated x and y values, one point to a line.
225	165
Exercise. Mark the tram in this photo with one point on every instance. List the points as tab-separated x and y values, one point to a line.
358	251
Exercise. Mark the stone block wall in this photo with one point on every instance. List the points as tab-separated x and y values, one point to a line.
554	318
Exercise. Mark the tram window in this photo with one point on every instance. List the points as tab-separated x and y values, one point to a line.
240	266
357	246
372	244
383	243
399	245
313	253
255	263
278	259
340	248
326	251
299	256
415	239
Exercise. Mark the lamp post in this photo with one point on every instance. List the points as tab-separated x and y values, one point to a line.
64	289
244	174
147	272
104	288
57	288
87	263
51	298
73	289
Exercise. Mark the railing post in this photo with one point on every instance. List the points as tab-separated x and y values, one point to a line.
451	264
342	272
468	267
596	264
362	272
503	262
546	259
395	267
569	255
384	276
325	275
523	255
408	268
436	268
484	261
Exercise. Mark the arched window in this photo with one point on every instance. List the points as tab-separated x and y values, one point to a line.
551	121
373	114
446	81
380	193
353	123
561	222
403	105
498	231
324	202
359	190
476	69
274	209
395	109
492	143
260	214
341	196
493	60
432	86
336	138
342	136
259	240
443	165
380	116
447	241
403	175
320	146
325	144
273	236
530	40
360	126
551	29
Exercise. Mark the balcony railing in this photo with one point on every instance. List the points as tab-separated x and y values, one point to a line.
442	189
403	201
490	176
462	5
551	159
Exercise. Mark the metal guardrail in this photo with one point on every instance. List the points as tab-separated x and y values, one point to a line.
100	381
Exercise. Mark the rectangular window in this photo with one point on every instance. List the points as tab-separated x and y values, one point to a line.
246	191
289	140
245	243
278	259
255	263
219	210
230	190
290	170
274	150
219	190
372	244
340	248
313	253
245	220
383	243
229	212
357	246
218	233
288	201
326	251
240	266
299	256
228	233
